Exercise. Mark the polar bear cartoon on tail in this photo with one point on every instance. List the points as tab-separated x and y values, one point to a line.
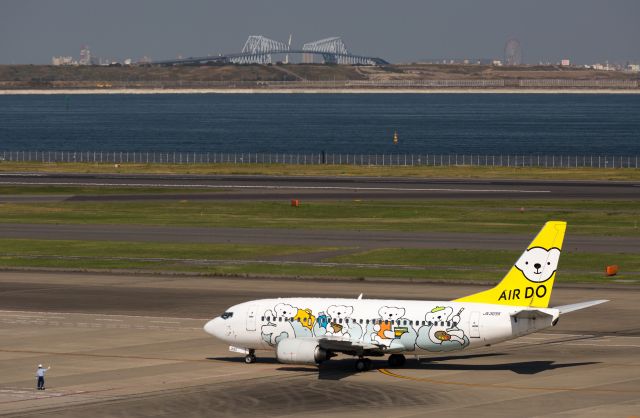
538	264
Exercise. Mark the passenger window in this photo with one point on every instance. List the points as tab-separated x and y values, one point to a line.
367	321
280	319
262	319
360	320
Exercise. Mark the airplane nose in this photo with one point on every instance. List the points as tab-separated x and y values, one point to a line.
214	327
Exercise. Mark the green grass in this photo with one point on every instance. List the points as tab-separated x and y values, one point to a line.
127	249
334	170
600	218
435	265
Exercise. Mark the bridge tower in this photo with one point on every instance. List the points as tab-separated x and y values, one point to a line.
258	49
333	50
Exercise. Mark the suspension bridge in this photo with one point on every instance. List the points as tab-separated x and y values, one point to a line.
259	49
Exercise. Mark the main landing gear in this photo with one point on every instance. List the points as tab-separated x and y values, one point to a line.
363	364
396	360
251	357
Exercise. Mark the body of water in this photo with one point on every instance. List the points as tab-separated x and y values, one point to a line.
342	123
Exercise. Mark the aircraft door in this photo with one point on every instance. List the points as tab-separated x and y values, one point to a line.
251	317
474	325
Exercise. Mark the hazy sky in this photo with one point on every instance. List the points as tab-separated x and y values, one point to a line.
31	31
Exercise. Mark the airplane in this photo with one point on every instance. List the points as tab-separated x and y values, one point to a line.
313	330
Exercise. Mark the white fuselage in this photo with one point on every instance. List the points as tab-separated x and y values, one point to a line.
397	326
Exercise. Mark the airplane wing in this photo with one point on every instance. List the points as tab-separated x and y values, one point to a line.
351	347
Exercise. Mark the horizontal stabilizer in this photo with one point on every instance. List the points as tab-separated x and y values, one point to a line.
577	306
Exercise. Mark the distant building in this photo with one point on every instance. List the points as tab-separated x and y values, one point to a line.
85	56
63	61
565	62
512	52
496	63
603	67
634	68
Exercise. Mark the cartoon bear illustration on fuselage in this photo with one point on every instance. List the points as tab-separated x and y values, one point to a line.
279	325
337	325
285	310
305	318
440	331
538	264
385	331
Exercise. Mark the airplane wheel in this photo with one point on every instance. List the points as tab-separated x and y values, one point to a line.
250	358
363	364
396	360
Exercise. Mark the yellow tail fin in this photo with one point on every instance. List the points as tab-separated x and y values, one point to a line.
530	280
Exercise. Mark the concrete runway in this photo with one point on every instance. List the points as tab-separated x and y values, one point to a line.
133	346
327	188
364	240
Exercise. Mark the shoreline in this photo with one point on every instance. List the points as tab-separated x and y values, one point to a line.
317	91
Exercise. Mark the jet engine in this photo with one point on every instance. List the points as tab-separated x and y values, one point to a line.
298	351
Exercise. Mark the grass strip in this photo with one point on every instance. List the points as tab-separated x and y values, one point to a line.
94	250
589	217
458	171
445	265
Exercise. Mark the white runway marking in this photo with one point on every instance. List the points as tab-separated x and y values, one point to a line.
210	186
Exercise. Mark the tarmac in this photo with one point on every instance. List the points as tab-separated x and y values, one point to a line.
134	346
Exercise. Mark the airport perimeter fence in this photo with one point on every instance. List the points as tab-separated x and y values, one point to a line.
324	158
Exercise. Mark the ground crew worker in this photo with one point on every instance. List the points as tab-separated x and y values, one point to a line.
40	375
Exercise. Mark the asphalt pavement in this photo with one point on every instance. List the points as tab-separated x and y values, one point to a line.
329	188
134	346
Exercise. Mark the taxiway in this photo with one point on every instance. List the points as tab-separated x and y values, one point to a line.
133	346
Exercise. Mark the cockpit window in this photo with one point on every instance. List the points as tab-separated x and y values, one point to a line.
226	315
